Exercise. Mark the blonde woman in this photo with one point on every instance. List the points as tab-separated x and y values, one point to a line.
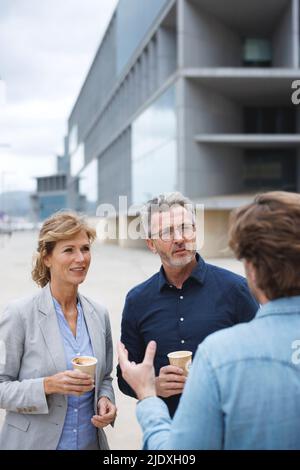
48	405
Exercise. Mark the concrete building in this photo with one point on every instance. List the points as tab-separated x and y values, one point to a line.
50	195
189	95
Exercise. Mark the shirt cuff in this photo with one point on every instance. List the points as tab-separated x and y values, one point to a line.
146	398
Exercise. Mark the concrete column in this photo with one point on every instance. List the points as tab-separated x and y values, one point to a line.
152	65
283	40
181	139
180	33
295	32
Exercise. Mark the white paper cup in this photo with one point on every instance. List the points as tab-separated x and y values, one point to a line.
182	359
86	364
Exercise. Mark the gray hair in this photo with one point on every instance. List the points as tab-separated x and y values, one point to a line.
163	203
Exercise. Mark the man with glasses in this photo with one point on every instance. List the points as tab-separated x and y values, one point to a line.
184	302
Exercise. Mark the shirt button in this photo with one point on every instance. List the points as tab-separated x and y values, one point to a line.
182	341
75	410
74	430
181	319
181	297
171	286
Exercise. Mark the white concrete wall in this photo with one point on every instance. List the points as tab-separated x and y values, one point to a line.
206	170
212	170
207	41
114	169
210	112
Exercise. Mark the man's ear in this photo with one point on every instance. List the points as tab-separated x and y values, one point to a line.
151	246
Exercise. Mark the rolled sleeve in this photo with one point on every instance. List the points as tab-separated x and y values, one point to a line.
198	421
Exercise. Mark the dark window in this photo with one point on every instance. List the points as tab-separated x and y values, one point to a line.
270	120
257	52
267	169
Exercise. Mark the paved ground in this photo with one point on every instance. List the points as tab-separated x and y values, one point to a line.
113	272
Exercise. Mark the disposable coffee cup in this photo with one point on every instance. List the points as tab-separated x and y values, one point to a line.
86	364
182	359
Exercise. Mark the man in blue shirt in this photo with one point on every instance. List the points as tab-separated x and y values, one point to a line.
243	390
184	302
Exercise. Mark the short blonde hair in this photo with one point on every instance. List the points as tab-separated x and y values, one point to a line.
60	226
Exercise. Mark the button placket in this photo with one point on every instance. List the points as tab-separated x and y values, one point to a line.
181	318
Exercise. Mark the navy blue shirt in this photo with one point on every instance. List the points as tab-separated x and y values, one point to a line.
210	299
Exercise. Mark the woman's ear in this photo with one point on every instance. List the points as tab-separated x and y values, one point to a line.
47	262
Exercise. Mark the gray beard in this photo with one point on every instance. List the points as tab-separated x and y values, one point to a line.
182	261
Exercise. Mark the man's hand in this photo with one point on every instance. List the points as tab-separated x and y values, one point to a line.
170	381
140	377
107	413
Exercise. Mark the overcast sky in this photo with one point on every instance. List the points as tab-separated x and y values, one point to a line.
46	49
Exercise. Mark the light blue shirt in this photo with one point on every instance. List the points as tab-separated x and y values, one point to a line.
78	432
243	391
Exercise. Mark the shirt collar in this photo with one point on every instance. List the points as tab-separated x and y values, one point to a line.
58	308
282	306
198	273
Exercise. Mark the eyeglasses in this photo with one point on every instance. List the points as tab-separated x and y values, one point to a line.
168	234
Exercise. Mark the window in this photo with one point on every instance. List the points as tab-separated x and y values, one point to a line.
257	52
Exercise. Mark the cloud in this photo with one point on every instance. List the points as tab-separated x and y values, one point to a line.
49	48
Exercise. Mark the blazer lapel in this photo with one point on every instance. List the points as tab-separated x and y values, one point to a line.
92	324
93	329
50	329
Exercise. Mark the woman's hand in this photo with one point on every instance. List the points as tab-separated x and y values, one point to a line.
69	382
107	413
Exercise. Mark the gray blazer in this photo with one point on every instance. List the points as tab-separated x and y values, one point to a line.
31	349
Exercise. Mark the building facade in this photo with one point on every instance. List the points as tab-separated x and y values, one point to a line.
189	95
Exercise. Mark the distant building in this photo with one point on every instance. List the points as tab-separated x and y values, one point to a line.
52	195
